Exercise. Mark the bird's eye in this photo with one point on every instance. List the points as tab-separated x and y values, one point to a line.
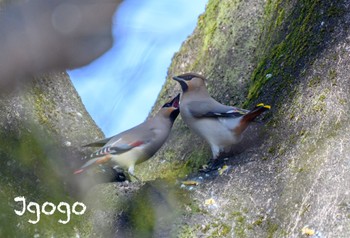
167	105
188	77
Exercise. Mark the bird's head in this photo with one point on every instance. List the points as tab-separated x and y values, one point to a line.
190	81
171	109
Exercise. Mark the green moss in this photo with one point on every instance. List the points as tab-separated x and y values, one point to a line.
271	150
342	101
221	230
178	169
293	46
240	224
322	97
320	105
259	221
29	161
315	81
271	229
207	24
225	229
332	74
143	216
44	109
335	11
187	232
280	18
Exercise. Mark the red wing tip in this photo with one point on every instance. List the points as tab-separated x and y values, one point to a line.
136	143
78	171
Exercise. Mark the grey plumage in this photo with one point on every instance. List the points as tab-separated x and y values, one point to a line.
137	144
220	125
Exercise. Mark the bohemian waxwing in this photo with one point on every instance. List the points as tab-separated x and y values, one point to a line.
220	125
137	144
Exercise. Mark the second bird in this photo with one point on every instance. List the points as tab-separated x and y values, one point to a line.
220	125
137	144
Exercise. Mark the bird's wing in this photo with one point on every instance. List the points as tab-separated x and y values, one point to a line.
134	137
98	143
119	144
212	108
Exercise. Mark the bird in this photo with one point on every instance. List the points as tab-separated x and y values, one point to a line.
137	144
221	126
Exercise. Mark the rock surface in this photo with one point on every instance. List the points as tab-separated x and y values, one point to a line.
289	177
43	126
42	119
294	56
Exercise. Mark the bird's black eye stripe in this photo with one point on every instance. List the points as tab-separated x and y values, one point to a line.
187	77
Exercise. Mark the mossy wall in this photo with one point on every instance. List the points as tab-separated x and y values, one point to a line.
223	48
294	56
43	124
291	54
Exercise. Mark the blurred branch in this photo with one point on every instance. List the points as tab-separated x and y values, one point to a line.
40	35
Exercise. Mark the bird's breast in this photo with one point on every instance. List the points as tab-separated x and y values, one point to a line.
214	130
134	156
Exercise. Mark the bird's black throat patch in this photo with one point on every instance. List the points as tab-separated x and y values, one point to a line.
174	114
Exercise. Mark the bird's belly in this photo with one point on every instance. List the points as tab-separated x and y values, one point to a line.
216	132
129	158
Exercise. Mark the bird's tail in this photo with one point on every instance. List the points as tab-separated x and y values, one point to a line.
259	109
250	116
99	160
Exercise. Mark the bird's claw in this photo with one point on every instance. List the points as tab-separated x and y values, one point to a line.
213	165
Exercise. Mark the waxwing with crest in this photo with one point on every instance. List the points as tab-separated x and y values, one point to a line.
220	125
137	144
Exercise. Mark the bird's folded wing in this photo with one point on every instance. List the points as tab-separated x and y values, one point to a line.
115	149
213	108
98	143
104	154
124	141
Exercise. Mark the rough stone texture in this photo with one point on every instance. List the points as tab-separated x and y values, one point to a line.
291	171
135	209
223	48
297	175
43	125
43	122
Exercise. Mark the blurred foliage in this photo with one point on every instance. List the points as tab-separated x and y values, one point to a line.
29	168
136	209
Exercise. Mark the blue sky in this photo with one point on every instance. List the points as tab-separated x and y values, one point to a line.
120	88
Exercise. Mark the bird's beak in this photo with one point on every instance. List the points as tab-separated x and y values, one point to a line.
176	101
175	110
182	82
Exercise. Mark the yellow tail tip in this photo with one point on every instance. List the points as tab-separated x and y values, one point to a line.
267	107
260	105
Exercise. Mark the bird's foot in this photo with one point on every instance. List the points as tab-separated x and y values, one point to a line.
119	174
213	165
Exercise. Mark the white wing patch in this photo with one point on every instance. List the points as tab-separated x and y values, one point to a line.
116	142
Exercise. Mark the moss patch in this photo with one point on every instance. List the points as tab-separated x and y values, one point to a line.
290	46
